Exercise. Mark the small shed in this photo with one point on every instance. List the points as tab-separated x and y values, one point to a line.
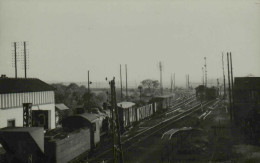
127	113
61	111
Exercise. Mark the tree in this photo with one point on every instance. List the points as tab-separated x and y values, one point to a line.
155	84
147	83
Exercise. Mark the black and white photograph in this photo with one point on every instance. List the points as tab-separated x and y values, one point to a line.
129	81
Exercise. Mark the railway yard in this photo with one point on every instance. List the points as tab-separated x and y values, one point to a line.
147	142
180	127
187	132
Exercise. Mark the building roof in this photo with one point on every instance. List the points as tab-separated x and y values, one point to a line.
61	107
247	83
125	104
20	85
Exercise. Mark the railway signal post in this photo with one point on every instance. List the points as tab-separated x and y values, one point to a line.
117	147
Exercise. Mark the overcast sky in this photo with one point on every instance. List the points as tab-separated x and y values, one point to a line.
67	38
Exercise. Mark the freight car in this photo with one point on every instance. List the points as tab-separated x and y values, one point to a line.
162	102
129	113
205	93
80	134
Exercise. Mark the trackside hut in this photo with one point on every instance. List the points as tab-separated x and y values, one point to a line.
14	92
127	113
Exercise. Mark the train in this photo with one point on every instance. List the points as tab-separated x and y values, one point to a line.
80	134
206	93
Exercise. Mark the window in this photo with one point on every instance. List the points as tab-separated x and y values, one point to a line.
11	123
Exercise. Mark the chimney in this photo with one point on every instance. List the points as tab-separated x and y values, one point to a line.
3	76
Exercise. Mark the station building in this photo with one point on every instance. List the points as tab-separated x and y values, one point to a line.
14	92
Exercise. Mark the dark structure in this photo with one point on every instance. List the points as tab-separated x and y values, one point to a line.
247	105
61	111
206	93
162	102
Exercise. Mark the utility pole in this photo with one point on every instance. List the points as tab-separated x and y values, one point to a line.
121	84
229	91
232	88
203	76
171	83
224	80
160	67
218	86
25	66
174	81
188	81
126	81
15	59
88	83
117	146
205	71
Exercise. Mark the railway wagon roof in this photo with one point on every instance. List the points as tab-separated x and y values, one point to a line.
163	96
89	116
125	105
61	106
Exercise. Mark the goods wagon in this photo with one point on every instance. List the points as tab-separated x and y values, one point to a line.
79	134
144	111
206	93
127	113
162	102
62	147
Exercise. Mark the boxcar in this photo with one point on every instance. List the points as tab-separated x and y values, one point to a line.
67	146
144	111
127	113
162	102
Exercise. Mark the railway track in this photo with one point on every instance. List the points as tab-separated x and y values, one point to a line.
130	142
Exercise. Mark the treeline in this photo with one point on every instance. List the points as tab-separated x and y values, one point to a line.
78	96
75	96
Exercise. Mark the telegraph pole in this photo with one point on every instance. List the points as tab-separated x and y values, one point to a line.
174	81
25	67
15	59
203	76
224	81
171	83
88	83
229	91
218	85
121	84
188	81
205	71
231	69
126	81
160	67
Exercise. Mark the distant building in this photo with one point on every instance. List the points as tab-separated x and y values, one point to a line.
16	91
247	106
